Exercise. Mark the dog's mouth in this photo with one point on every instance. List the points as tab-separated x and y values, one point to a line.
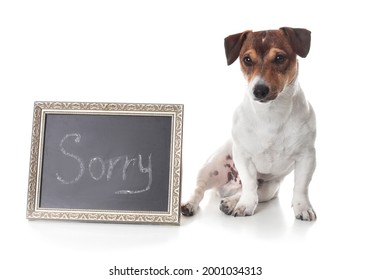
266	99
262	100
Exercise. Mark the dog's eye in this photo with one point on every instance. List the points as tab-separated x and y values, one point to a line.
279	59
247	60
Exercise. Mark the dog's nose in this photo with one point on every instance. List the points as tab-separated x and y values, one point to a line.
261	91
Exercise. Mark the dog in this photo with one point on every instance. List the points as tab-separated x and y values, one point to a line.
273	131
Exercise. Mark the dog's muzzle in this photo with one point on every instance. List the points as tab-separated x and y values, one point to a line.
261	92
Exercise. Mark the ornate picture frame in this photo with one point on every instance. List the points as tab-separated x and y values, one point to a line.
106	162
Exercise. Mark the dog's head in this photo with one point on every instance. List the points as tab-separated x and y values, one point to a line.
268	58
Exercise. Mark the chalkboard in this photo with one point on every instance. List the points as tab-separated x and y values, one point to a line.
109	162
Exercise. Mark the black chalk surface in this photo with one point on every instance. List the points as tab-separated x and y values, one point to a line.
106	162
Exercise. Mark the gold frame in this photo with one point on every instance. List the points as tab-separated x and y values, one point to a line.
91	215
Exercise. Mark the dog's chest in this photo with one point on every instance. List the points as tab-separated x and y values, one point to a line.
272	152
271	147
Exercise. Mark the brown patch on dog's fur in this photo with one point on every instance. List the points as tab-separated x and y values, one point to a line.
232	173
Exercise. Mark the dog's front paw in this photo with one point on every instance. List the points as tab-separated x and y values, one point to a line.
304	211
239	206
188	209
228	204
245	209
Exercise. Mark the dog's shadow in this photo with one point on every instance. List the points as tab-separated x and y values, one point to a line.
269	221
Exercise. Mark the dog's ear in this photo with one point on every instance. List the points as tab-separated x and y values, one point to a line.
233	44
299	39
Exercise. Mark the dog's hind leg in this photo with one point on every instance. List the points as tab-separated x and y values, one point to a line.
203	184
212	175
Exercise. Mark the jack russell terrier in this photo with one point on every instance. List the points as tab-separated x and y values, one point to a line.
274	128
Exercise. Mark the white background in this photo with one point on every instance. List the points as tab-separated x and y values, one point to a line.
172	52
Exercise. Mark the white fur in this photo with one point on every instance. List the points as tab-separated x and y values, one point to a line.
269	140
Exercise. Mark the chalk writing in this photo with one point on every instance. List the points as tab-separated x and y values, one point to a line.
103	170
81	164
142	170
